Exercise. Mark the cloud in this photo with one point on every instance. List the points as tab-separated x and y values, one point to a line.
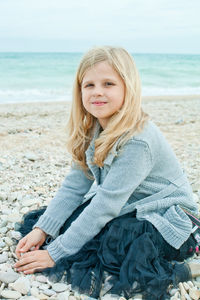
104	21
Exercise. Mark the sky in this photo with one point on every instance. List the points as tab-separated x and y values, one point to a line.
141	26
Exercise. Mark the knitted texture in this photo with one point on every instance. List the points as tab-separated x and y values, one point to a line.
143	175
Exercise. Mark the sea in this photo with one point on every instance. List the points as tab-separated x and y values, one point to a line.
36	77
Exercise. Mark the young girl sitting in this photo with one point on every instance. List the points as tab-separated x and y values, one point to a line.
117	223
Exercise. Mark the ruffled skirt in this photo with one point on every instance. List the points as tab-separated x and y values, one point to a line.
125	258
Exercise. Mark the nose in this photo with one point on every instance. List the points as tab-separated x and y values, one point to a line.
97	91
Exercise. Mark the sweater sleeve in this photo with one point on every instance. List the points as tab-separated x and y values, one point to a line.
126	172
66	200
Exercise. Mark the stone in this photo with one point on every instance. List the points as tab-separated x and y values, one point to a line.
3	230
28	298
49	292
43	296
9	276
182	290
172	292
41	278
186	286
10	294
22	285
63	296
2	244
190	283
31	156
34	291
29	202
35	283
3	257
14	218
59	287
187	297
15	235
8	241
44	286
194	293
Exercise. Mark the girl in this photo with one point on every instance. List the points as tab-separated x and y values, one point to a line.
117	223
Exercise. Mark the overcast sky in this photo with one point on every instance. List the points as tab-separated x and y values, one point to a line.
143	26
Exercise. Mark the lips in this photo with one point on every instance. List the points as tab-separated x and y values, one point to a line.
99	103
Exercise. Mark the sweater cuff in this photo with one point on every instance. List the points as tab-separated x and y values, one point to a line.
49	225
56	250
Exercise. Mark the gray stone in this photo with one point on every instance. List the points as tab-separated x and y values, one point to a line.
22	285
31	156
49	292
3	257
41	278
10	294
59	287
9	276
8	241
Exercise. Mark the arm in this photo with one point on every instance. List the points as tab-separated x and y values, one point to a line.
67	199
127	171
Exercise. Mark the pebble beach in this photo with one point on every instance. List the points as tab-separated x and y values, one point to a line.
34	162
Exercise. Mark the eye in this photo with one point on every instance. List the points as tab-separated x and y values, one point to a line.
108	83
89	85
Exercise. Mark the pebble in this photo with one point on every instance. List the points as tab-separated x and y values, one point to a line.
41	278
15	235
22	285
9	276
3	230
194	293
31	156
59	287
3	257
49	292
2	244
10	294
14	218
63	296
34	291
29	202
8	241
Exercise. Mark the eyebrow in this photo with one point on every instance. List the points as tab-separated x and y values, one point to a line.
105	79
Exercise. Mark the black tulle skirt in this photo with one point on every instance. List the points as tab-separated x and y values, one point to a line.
125	258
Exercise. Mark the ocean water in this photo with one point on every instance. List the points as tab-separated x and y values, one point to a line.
29	77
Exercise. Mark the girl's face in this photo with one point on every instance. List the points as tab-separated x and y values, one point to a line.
103	92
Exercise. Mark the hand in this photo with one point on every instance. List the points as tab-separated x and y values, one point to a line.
35	239
34	261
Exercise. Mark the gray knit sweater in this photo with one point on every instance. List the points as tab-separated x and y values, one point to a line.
144	175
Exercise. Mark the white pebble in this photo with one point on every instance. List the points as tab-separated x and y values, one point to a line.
9	276
41	278
3	257
59	287
34	291
14	218
22	285
8	241
10	294
63	296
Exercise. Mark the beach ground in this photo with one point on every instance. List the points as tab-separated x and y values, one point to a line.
34	160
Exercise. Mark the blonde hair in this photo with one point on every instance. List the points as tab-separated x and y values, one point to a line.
127	121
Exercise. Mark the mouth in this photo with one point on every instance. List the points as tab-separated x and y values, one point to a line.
99	103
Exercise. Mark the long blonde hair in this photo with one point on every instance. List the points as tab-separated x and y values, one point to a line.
127	121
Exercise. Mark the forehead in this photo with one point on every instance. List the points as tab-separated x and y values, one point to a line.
101	70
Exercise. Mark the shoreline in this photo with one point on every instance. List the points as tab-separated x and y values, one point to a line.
144	98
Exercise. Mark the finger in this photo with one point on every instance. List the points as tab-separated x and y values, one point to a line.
24	260
19	246
28	267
